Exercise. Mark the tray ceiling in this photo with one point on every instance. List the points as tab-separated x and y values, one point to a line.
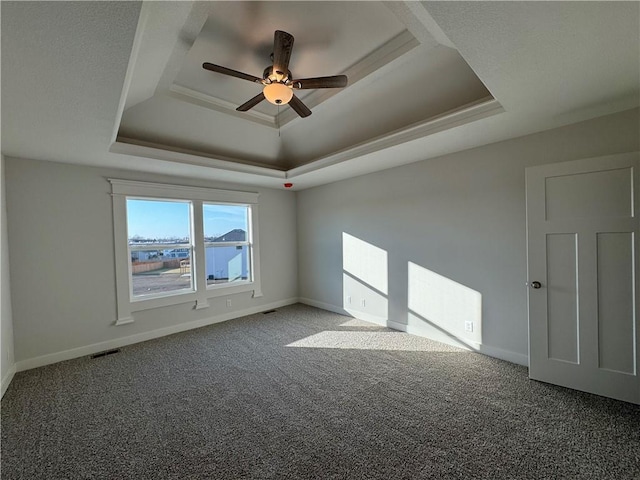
397	78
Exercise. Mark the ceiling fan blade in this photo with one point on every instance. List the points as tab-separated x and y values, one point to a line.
230	72
337	81
282	46
300	108
251	103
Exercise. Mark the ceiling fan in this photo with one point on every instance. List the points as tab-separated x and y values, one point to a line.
277	79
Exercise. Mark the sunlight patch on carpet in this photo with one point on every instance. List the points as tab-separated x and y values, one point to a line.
371	341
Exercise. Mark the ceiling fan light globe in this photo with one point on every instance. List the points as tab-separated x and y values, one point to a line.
278	93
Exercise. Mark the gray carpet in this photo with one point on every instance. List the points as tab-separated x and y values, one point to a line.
304	393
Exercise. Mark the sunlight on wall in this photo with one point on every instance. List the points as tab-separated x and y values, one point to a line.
365	262
441	305
364	279
362	301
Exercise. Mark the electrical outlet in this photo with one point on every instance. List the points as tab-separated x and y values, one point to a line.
228	302
468	326
349	300
363	303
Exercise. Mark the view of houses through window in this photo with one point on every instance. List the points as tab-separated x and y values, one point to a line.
161	245
227	254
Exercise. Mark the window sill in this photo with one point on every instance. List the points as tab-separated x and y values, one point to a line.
200	303
214	291
165	301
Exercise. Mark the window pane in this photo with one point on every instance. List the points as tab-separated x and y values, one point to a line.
227	264
152	273
159	246
225	223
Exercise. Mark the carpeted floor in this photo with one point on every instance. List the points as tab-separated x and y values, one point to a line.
304	393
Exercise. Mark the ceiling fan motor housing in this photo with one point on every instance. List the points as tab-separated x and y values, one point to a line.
270	75
277	89
277	81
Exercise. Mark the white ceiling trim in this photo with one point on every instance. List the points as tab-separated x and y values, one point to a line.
129	77
208	101
461	116
153	48
183	38
127	146
469	113
419	22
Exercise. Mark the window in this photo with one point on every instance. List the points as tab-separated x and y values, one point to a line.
177	244
227	245
160	247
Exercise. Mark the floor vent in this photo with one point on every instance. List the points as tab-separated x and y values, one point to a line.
105	353
269	311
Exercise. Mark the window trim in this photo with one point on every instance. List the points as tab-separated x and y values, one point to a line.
122	189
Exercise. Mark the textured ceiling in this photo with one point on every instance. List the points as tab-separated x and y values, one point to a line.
119	84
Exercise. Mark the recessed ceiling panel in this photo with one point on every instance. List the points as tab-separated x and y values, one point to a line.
423	84
399	78
329	38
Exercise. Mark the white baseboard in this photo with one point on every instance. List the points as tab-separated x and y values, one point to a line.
6	380
509	356
488	350
161	332
141	337
470	345
323	306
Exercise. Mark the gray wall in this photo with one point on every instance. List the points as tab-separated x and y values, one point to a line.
62	258
6	331
461	216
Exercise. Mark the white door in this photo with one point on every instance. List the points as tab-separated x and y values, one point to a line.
582	248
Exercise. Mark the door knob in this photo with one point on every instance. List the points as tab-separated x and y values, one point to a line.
535	285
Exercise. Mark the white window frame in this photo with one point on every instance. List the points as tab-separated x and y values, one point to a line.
123	189
248	243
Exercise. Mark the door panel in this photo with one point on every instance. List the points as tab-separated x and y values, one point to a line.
562	300
615	302
593	194
582	246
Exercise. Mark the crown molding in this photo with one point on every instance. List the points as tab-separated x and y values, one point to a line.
468	113
128	146
471	112
215	103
